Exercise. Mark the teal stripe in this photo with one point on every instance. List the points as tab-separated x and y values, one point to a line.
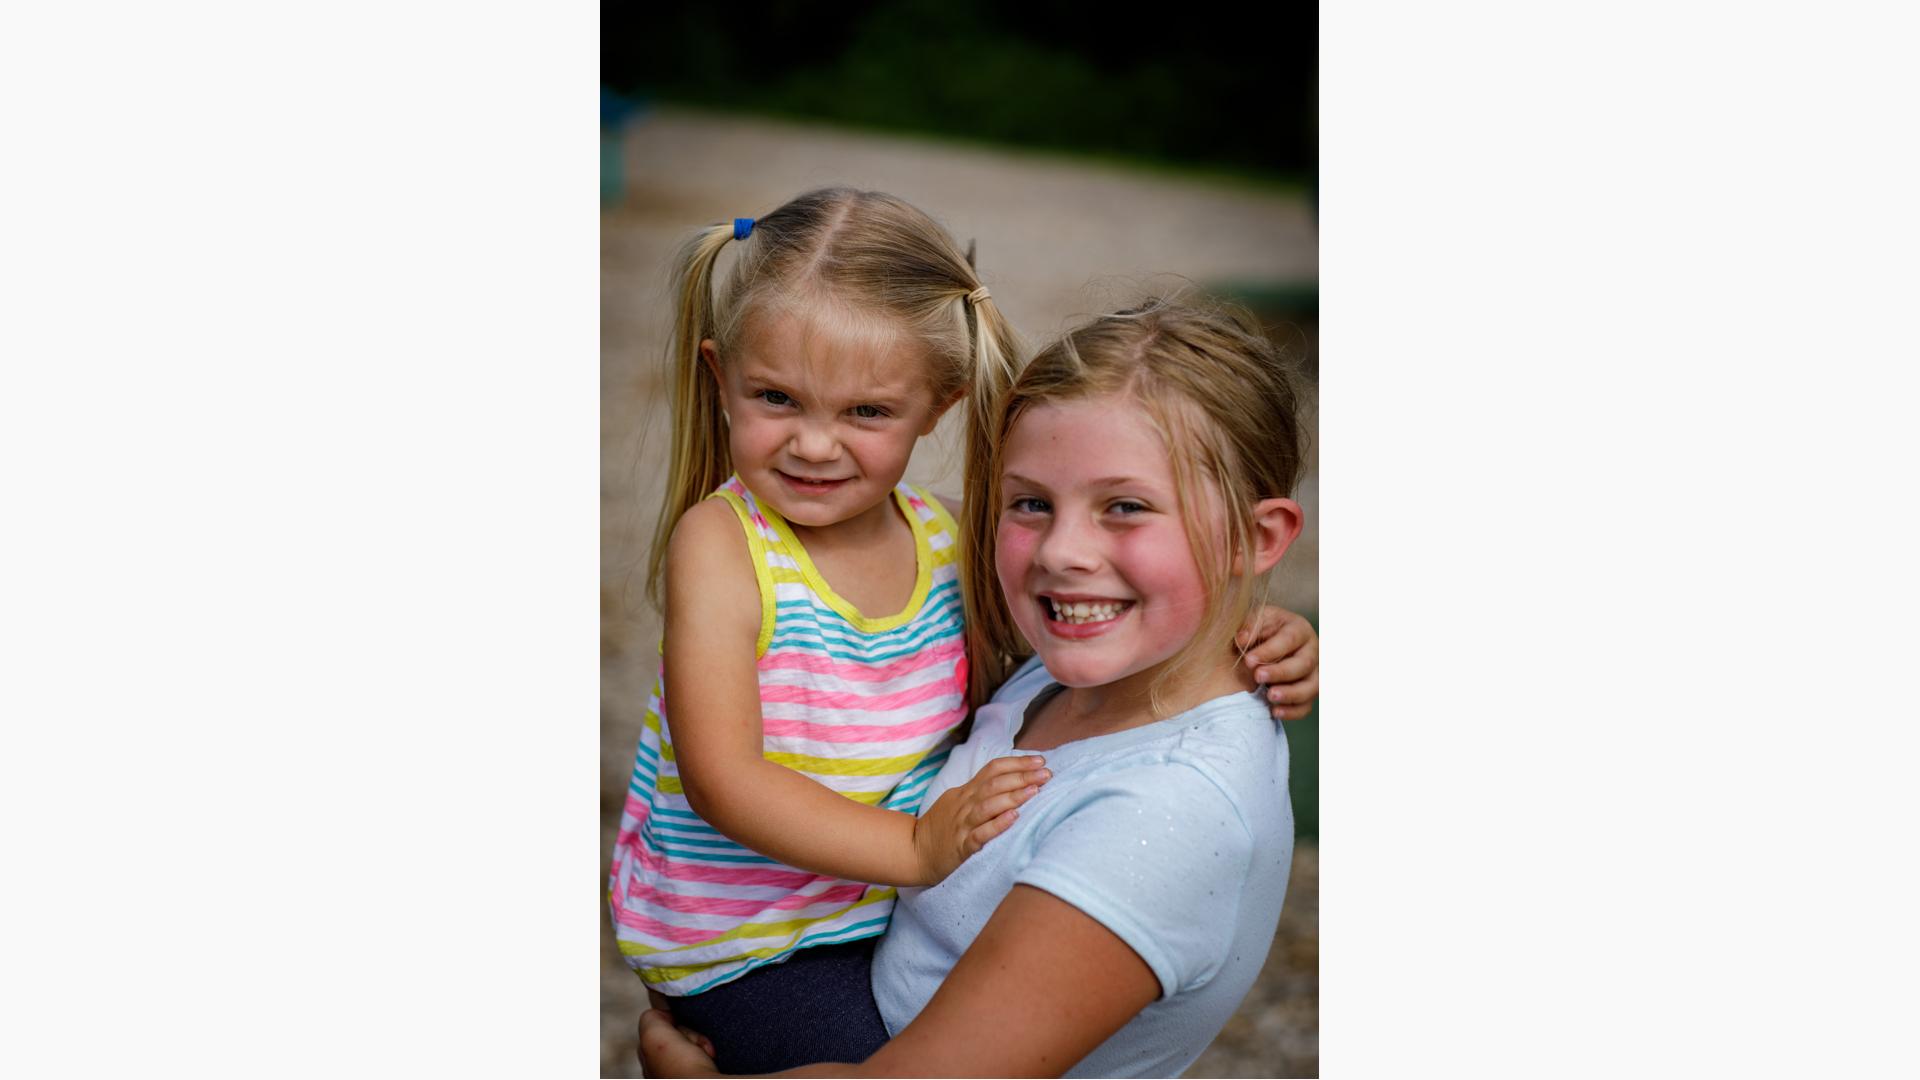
674	829
788	621
817	643
643	781
703	855
718	843
936	598
906	791
856	932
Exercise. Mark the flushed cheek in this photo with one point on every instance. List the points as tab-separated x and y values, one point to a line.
1161	569
1013	557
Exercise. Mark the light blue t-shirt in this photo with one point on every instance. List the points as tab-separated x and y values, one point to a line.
1177	836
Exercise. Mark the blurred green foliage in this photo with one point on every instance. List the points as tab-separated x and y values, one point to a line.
1303	773
1303	764
1190	87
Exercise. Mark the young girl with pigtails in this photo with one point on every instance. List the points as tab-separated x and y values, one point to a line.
814	664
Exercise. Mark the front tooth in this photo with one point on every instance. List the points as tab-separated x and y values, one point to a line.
1079	610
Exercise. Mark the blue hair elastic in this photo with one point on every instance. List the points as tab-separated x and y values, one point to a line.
741	227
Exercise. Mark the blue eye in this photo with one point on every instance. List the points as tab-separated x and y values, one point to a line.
869	412
774	397
1027	504
1123	506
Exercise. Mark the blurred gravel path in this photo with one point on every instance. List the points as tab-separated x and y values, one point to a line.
1056	239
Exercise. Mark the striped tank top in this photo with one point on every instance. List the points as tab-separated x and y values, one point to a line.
864	706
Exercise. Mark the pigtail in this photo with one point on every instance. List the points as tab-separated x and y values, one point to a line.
700	460
993	642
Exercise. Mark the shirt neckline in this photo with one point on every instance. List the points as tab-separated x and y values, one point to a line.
1207	712
923	570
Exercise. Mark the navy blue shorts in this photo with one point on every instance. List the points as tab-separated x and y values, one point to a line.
816	1006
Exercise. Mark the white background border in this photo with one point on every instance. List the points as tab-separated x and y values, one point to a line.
299	340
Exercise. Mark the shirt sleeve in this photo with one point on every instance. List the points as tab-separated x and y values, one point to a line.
1158	855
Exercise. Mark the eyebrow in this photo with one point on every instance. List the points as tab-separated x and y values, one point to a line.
1104	481
773	382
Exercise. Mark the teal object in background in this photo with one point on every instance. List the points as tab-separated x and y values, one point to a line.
616	112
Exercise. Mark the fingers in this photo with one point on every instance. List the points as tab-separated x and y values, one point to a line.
988	809
1262	623
656	1031
998	794
666	1049
1012	781
1293	669
1294	637
1010	763
1294	700
977	838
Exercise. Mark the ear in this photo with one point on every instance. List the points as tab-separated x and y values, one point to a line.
710	354
940	409
1276	524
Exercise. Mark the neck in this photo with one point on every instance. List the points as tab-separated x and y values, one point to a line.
868	527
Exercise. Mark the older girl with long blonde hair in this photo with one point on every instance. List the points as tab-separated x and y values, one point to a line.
814	660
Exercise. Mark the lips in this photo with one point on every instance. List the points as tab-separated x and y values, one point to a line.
811	484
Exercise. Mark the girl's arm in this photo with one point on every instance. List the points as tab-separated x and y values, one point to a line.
1039	989
1284	657
713	709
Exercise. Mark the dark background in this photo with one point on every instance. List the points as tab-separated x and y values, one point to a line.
1189	86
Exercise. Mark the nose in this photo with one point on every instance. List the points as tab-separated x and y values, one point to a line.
813	443
1070	544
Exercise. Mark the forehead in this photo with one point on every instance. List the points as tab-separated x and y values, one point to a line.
832	356
1079	442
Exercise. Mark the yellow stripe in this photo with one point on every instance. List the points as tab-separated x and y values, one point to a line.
671	785
829	766
823	766
788	544
757	547
944	520
792	928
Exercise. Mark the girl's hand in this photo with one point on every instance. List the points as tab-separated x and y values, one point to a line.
963	819
1285	658
666	1050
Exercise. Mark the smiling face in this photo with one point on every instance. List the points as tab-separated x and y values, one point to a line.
1091	550
822	418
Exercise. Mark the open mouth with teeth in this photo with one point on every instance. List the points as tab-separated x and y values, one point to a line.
811	481
1083	612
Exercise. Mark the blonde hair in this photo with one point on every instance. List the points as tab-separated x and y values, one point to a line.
863	253
1227	406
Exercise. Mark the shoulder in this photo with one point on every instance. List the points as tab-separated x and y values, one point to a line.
1158	854
709	569
1174	790
945	509
707	535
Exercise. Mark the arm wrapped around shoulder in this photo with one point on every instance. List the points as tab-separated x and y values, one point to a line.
1161	855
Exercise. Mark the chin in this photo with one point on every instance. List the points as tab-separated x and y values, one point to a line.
1070	666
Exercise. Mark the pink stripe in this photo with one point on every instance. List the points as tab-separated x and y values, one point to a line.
721	905
681	935
859	733
818	664
847	699
723	875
